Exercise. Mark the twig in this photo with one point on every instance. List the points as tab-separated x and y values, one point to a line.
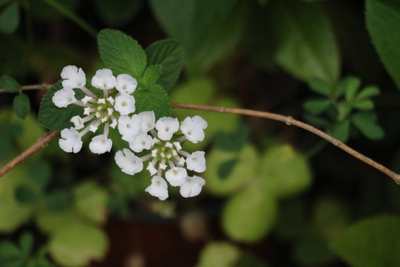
30	87
40	143
290	121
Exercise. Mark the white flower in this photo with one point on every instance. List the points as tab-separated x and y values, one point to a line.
70	140
193	128
196	161
73	77
158	188
176	176
166	127
148	120
100	144
78	122
124	104
126	84
151	168
104	79
129	127
192	186
62	98
128	162
142	141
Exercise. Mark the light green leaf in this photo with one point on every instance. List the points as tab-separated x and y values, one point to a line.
305	44
225	168
90	201
153	99
9	84
121	53
77	244
9	18
366	123
317	106
219	254
22	105
55	118
170	56
370	242
383	21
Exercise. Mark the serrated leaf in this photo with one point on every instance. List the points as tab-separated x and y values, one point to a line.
317	106
121	53
22	105
319	86
383	19
151	75
9	84
153	99
305	44
366	123
342	131
370	242
55	118
170	56
9	18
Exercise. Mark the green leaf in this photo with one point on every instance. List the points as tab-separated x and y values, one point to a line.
364	105
9	18
219	254
26	194
121	53
316	120
150	76
3	2
370	242
225	168
366	123
367	92
317	106
53	117
304	41
9	84
207	29
383	20
170	56
26	242
22	105
40	172
9	250
153	99
319	86
117	12
78	244
351	86
232	142
90	201
342	131
58	201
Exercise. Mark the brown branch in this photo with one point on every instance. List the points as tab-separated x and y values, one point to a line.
40	143
30	87
290	121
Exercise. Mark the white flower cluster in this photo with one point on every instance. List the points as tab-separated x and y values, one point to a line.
156	142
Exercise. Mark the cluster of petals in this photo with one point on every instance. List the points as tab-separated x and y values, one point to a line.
115	101
159	145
